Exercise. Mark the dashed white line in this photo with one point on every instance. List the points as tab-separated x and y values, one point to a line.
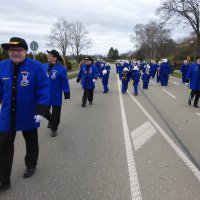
178	151
169	93
175	83
152	82
134	182
198	114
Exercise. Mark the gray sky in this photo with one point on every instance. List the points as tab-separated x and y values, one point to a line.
109	22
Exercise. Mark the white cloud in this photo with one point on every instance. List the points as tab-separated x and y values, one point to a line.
109	22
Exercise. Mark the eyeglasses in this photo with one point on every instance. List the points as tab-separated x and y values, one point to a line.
17	50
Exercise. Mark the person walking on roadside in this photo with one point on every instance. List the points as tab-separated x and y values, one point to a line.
24	94
184	70
164	72
59	83
88	75
193	79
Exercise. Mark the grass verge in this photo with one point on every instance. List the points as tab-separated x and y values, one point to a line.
176	74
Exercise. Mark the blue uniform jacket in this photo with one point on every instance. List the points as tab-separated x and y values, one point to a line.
192	75
32	93
146	77
165	69
87	77
136	76
58	83
105	79
184	69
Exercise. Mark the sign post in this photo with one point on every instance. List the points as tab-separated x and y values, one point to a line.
34	47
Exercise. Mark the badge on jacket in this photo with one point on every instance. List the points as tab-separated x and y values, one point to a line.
53	76
24	81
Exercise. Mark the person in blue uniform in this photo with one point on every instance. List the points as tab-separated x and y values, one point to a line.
105	77
125	77
164	72
59	84
153	68
136	80
24	95
184	70
193	77
88	75
145	78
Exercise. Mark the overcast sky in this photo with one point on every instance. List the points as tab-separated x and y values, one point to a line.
109	22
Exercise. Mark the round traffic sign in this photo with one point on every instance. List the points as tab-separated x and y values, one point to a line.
34	46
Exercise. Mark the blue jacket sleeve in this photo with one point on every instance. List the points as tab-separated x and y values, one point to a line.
95	72
42	91
79	74
65	84
1	92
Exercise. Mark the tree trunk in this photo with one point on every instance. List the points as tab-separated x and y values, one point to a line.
197	47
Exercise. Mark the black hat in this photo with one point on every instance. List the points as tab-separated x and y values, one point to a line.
55	53
89	58
15	42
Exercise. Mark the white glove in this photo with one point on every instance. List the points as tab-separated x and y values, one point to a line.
187	84
38	118
94	80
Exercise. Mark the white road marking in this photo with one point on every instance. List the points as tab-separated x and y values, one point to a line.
142	134
175	83
152	82
134	182
179	152
169	93
198	114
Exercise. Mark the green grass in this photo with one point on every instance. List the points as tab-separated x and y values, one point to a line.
72	75
176	74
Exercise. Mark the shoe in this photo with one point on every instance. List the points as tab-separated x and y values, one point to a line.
90	103
196	106
4	186
49	125
83	105
189	102
53	133
29	172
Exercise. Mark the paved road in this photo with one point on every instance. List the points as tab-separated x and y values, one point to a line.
122	147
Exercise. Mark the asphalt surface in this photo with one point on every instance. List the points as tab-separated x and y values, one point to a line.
92	156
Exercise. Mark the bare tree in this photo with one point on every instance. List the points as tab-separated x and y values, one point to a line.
79	40
60	36
185	11
151	40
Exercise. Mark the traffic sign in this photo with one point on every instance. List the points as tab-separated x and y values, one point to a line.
34	46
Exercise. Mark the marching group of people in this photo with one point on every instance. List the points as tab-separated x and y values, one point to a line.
31	91
137	70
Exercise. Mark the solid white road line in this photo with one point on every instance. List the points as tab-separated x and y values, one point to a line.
152	82
134	182
178	151
142	134
198	114
169	93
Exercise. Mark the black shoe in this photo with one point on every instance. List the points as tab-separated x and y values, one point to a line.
53	133
29	172
189	102
90	103
4	186
83	105
49	125
196	106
